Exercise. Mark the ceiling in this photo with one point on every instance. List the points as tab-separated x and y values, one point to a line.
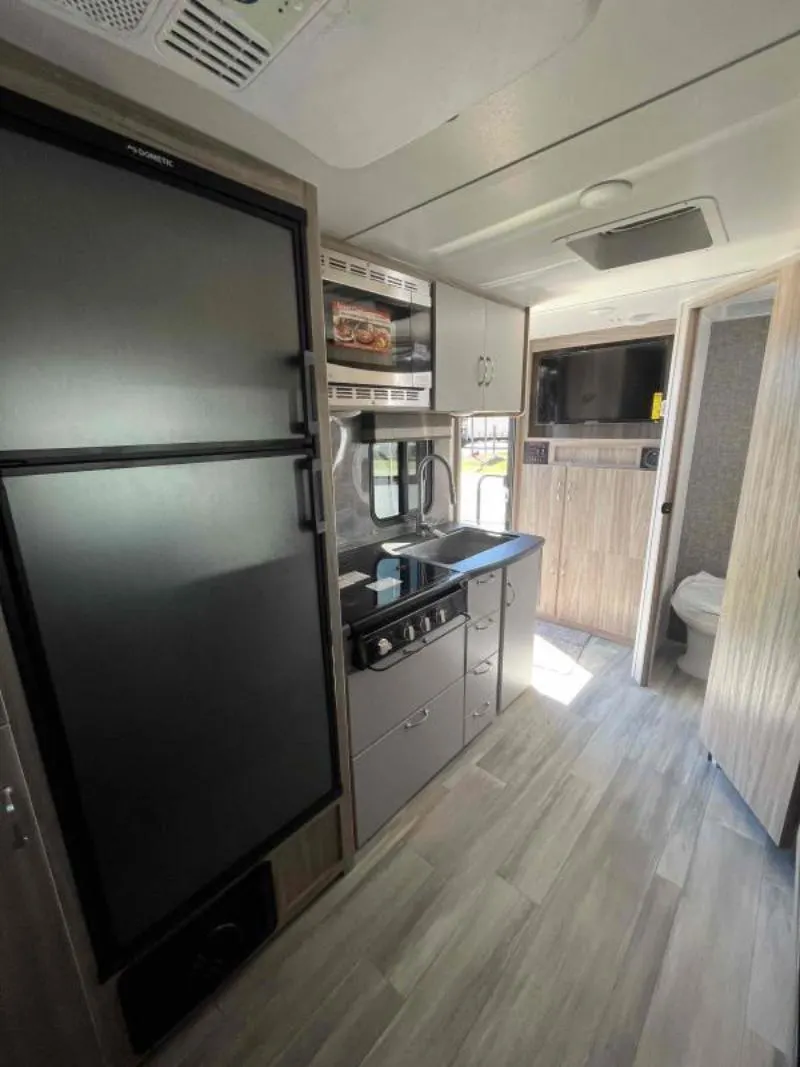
687	99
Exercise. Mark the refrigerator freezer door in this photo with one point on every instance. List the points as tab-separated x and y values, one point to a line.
178	612
137	313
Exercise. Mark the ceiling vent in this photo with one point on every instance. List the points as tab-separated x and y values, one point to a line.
686	227
120	16
215	44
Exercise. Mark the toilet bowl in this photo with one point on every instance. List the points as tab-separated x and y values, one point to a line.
698	601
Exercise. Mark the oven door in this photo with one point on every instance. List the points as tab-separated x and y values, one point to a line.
376	339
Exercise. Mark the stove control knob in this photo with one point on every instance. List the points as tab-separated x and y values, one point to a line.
426	624
409	633
383	646
442	615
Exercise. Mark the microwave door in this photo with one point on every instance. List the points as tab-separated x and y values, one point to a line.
421	345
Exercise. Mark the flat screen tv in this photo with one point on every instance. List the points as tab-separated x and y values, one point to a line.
602	383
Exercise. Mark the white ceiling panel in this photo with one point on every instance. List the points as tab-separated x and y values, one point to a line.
632	51
734	139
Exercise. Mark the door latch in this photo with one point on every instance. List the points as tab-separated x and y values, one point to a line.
20	838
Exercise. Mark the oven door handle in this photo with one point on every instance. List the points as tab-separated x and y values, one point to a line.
425	642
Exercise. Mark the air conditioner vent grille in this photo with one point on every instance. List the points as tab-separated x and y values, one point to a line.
346	269
369	396
214	43
121	15
650	220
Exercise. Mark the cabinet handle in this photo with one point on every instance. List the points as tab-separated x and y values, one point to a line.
513	593
423	717
558	492
490	361
486	668
488	626
9	807
489	578
482	709
481	370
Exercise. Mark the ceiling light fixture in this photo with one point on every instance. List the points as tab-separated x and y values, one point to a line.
603	193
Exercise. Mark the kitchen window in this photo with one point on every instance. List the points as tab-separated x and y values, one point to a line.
393	482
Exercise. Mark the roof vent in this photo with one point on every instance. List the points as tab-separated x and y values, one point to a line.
672	231
122	16
215	44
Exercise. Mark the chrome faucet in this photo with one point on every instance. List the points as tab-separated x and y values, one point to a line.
426	462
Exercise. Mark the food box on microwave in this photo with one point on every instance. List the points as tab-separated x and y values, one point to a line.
355	326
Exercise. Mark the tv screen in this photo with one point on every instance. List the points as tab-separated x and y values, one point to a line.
604	383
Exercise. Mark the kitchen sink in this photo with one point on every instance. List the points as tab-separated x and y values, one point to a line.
457	546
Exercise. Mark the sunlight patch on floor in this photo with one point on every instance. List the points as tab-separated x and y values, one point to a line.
555	674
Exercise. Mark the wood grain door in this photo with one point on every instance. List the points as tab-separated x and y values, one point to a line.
751	716
44	1018
582	548
604	540
541	512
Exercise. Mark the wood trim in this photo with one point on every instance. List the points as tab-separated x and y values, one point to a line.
666	480
521	423
600	337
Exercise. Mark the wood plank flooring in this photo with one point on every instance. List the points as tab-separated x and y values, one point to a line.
581	888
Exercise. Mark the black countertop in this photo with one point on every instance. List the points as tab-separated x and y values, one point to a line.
409	582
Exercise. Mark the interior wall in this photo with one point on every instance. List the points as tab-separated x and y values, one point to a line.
727	402
354	522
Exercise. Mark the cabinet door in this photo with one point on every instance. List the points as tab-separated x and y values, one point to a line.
519	627
505	350
459	352
44	1019
541	512
626	498
606	522
582	548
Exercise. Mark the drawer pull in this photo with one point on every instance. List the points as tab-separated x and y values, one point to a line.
477	671
488	625
489	578
482	709
423	717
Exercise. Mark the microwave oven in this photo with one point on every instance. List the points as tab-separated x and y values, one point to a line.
377	335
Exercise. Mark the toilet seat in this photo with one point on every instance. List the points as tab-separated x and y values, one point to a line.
698	601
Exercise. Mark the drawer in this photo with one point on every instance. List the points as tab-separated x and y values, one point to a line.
483	594
483	638
380	699
480	699
389	773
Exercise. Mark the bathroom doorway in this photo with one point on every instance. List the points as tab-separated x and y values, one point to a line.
714	384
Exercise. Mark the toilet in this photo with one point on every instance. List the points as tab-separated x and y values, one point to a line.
698	601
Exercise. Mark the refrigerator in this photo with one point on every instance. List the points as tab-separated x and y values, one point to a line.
161	563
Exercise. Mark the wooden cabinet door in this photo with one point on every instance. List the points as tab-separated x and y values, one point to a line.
505	350
582	549
459	353
541	511
751	715
627	503
606	524
44	1018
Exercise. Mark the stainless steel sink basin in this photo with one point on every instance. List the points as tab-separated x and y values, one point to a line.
457	546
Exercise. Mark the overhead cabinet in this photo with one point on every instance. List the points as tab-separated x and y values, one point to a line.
479	349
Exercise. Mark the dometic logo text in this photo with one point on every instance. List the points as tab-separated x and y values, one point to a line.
154	157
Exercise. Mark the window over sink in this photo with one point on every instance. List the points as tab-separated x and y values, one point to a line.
393	481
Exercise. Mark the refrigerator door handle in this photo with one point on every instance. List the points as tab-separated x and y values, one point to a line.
310	394
308	476
317	500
